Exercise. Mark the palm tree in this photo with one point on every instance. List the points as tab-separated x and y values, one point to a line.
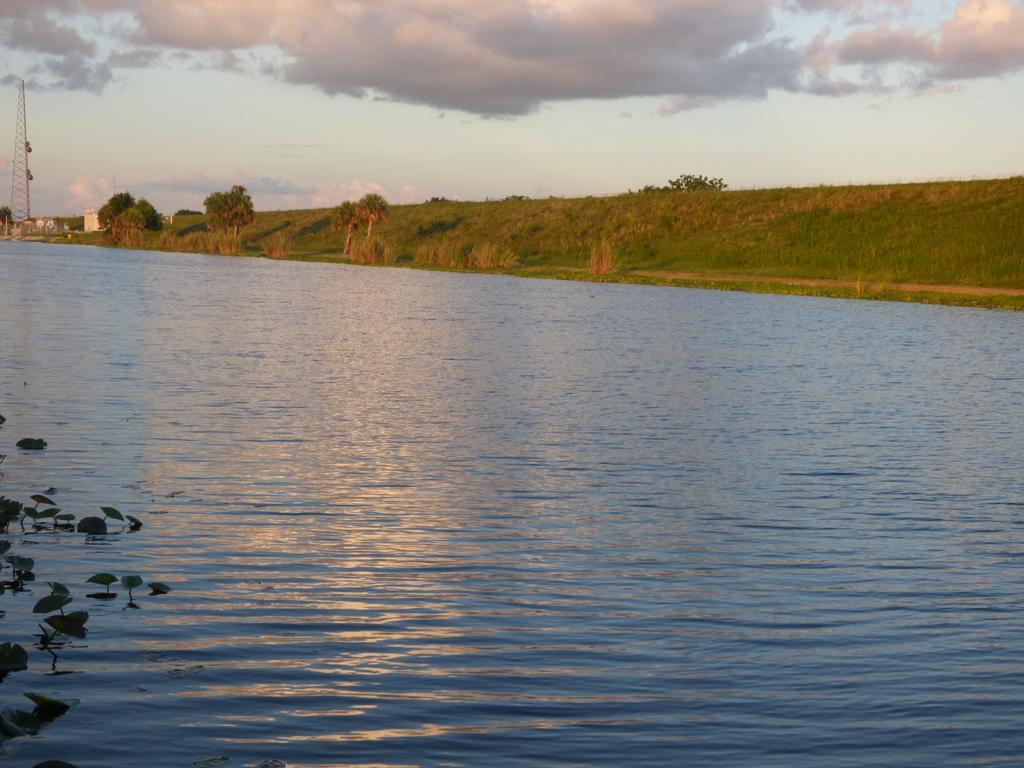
346	216
373	208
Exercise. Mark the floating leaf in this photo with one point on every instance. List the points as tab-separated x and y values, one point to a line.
65	517
12	657
270	764
158	588
105	579
80	616
31	444
66	625
131	582
102	595
57	588
44	514
46	708
51	603
40	499
134	523
26	576
4	546
93	525
112	513
54	764
15	722
212	762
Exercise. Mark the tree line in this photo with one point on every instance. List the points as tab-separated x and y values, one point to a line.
125	218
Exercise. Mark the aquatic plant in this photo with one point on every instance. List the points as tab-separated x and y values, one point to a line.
104	580
131	582
31	444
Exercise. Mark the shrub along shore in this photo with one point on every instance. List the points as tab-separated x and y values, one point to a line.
958	242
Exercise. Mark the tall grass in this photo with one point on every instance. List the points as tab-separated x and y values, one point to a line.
276	245
969	233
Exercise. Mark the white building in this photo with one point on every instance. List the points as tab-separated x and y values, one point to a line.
92	220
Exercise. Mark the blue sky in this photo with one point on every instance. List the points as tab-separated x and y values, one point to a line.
310	102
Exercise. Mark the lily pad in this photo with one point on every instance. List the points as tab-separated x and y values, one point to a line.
54	764
112	513
93	525
134	523
31	444
12	657
158	588
131	582
48	709
40	499
67	626
211	762
52	603
104	579
15	722
57	588
102	595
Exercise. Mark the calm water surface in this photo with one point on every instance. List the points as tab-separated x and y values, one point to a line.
436	519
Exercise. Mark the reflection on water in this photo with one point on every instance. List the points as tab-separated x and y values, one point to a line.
432	519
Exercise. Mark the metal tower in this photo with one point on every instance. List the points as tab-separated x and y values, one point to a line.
21	200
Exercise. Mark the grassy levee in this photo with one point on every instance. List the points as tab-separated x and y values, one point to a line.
864	241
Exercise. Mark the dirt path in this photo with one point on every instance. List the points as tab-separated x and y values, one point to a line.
957	290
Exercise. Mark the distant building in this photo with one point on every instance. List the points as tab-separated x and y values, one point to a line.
92	220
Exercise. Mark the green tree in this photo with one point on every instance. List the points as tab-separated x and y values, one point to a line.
346	216
114	207
128	226
154	220
230	211
373	208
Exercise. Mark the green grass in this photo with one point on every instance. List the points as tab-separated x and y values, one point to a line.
968	234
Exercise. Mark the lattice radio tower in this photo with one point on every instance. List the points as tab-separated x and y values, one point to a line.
21	199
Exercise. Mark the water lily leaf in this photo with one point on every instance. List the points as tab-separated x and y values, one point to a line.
15	722
92	525
102	595
31	444
57	588
44	514
40	499
26	576
158	588
134	523
112	513
79	616
212	762
48	709
54	764
12	657
105	579
270	764
22	563
51	603
65	517
67	626
131	582
4	546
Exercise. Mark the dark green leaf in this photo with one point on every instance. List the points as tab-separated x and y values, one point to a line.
112	513
66	625
40	499
12	657
131	582
65	517
158	588
57	588
106	579
92	525
82	617
31	444
47	708
134	523
51	603
15	722
43	514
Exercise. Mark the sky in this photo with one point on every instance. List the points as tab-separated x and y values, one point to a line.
313	102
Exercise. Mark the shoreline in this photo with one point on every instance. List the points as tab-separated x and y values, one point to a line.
978	297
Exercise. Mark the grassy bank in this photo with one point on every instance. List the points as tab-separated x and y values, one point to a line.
964	238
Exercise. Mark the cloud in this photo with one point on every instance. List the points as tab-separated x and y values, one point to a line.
505	58
88	192
985	38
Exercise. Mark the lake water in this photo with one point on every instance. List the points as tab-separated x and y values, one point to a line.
437	519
